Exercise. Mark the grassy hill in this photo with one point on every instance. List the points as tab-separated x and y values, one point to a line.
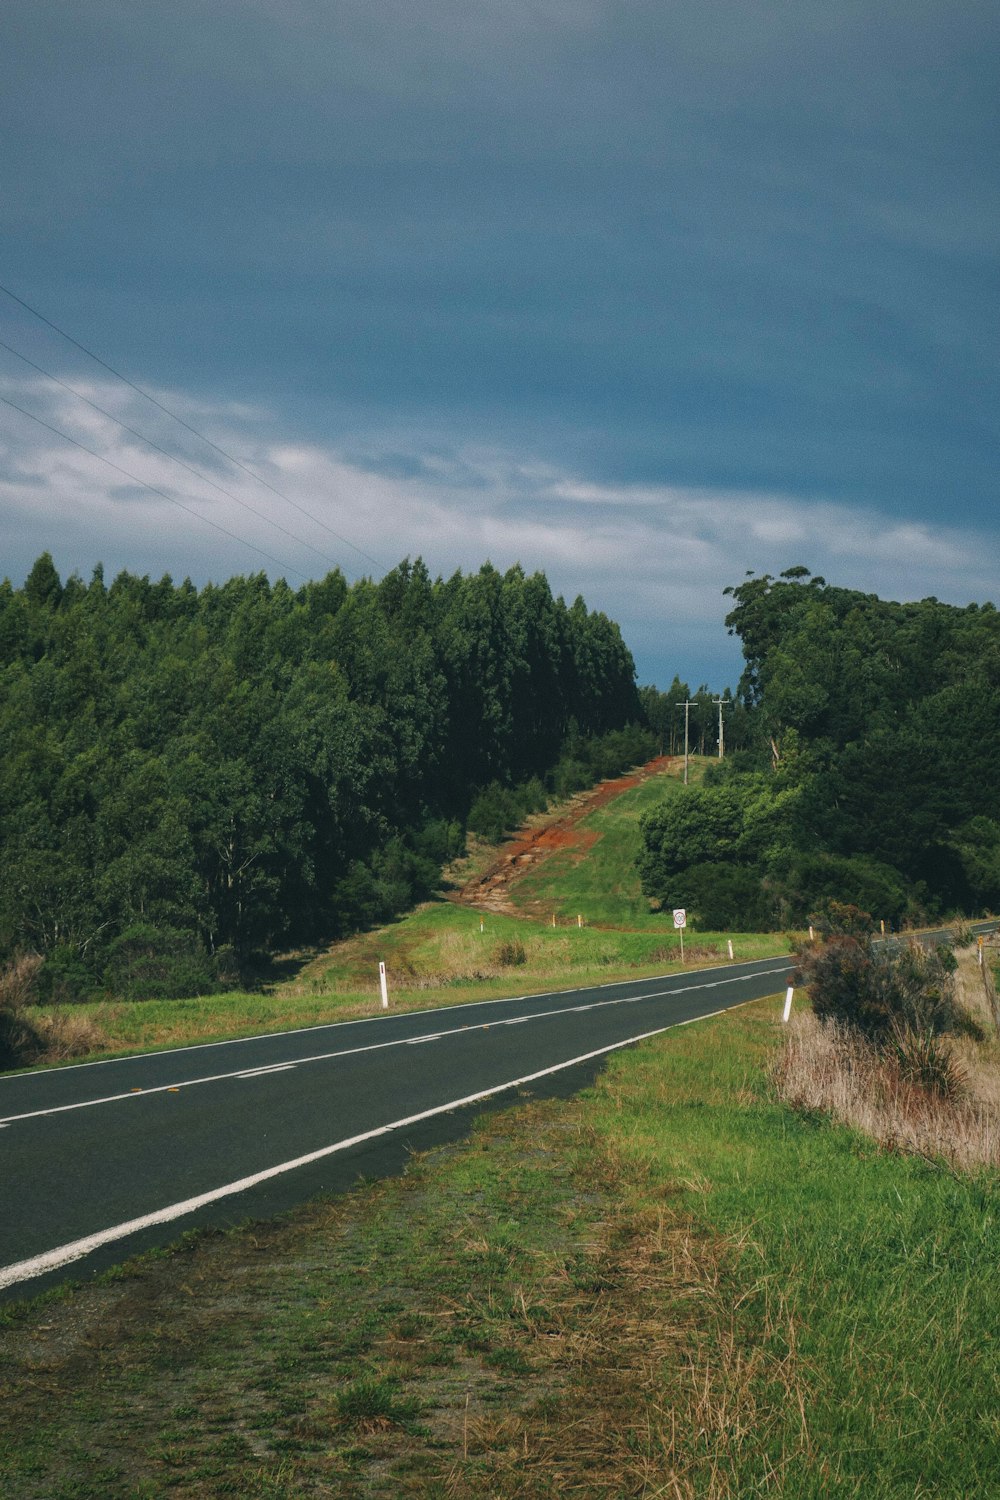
595	874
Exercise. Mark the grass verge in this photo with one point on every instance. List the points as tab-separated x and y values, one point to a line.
672	1285
436	956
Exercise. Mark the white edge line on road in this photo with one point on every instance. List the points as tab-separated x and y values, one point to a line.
779	959
64	1255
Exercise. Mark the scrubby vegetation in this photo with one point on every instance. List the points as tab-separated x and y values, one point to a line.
900	1044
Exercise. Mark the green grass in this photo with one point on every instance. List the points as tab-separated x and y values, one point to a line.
670	1285
600	882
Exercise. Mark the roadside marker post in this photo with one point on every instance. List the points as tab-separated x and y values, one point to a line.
384	986
730	942
788	1003
579	921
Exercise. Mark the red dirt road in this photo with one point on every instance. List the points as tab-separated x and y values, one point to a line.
531	845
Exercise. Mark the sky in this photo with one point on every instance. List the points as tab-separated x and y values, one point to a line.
644	294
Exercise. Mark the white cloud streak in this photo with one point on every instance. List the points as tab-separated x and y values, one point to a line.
656	558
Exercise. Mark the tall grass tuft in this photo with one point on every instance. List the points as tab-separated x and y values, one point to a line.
20	1041
30	1035
929	1061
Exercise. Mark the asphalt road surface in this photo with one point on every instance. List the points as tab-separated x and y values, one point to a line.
102	1160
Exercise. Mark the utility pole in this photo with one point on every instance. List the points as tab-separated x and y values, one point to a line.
722	741
687	714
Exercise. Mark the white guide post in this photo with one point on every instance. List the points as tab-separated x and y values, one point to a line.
579	921
788	1003
730	943
384	986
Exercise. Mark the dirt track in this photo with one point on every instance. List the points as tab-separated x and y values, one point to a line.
531	845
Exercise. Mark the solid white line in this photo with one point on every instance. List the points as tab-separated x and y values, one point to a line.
189	1083
264	1036
64	1255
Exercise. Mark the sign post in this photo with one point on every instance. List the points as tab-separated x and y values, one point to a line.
680	922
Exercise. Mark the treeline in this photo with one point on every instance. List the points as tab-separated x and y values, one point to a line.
871	775
191	778
664	712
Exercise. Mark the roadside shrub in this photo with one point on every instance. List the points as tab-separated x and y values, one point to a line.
815	882
877	991
65	979
727	898
441	840
152	963
493	812
532	797
912	1097
841	919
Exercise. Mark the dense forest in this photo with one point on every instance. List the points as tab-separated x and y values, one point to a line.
873	774
191	778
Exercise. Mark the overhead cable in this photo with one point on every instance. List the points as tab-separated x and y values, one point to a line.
166	454
154	490
166	409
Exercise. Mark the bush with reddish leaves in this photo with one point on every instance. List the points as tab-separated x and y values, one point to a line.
877	991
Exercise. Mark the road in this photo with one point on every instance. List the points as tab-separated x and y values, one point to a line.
101	1160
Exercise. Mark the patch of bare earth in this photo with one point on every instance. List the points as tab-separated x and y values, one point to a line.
489	889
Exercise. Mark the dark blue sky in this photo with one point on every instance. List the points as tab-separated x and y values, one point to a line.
641	294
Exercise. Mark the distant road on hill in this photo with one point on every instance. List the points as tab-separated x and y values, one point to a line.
102	1160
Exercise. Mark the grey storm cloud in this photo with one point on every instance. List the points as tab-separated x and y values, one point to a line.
710	248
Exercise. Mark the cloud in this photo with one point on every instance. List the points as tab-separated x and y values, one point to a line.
654	557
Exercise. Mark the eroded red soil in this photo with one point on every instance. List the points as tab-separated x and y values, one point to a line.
534	843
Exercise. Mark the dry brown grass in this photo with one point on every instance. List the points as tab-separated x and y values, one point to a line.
63	1035
18	979
30	1034
826	1069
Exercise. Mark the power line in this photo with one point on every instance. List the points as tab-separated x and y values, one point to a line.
172	456
153	489
172	414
